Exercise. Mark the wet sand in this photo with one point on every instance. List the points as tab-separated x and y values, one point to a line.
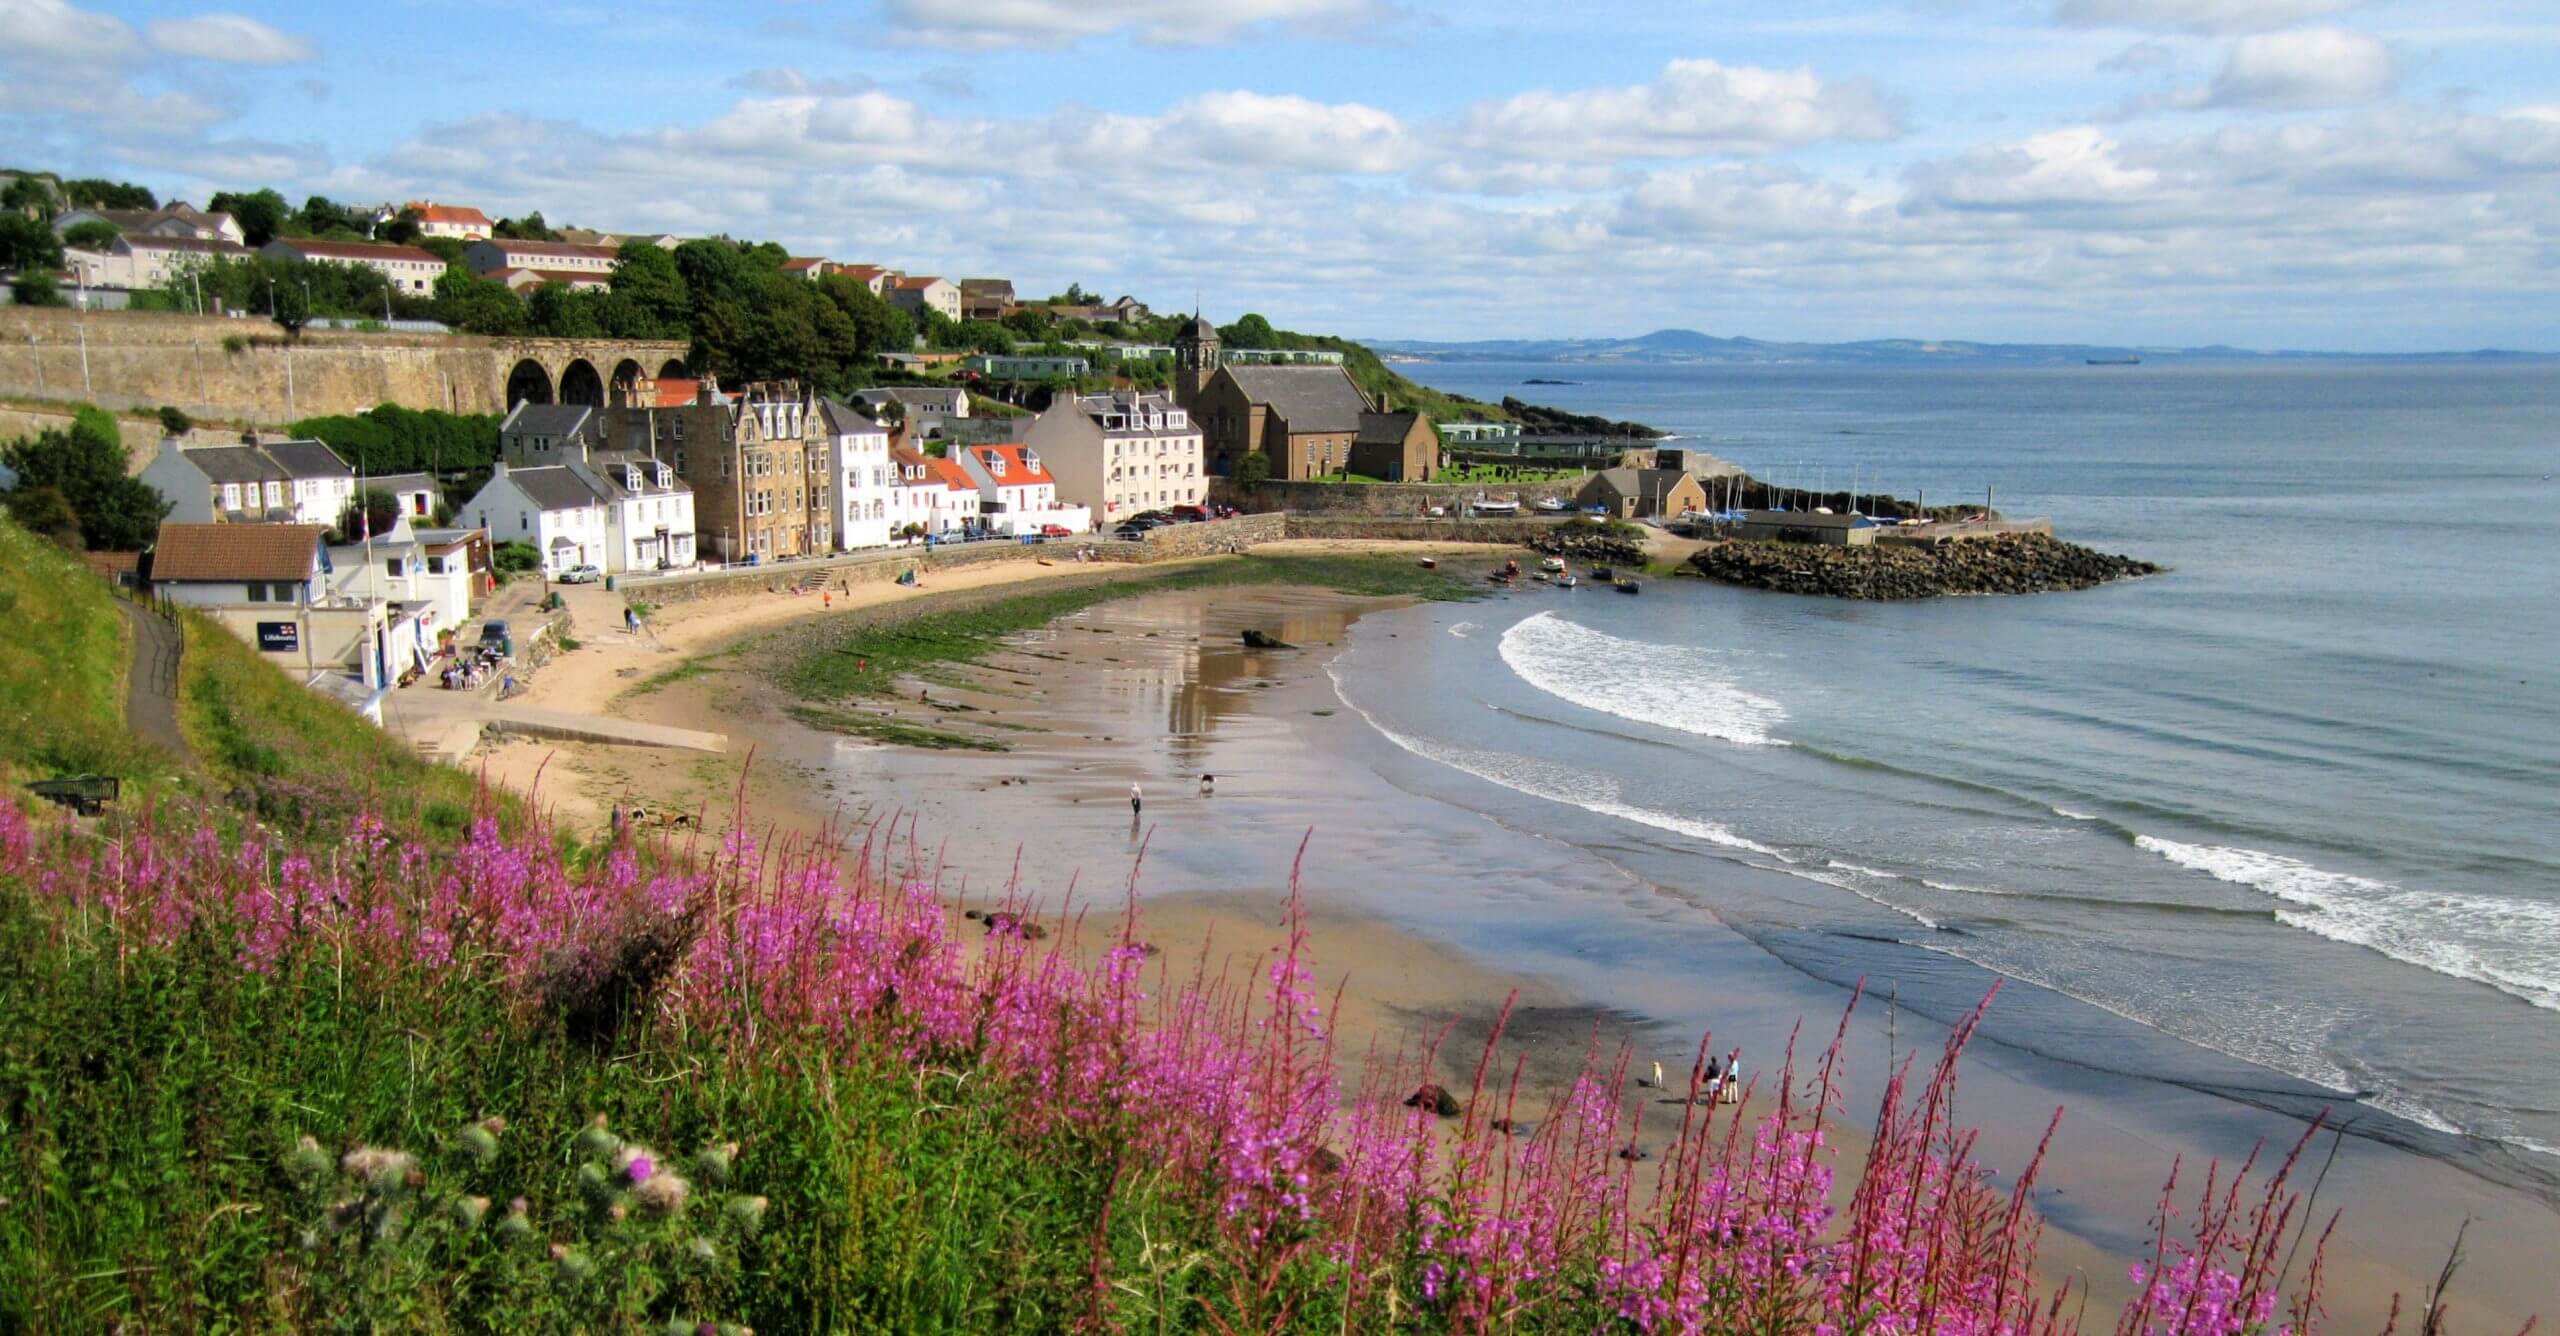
1422	914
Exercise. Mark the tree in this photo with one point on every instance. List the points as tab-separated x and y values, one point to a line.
175	422
41	510
528	228
476	305
646	276
261	214
371	513
85	465
93	235
89	192
293	308
1255	467
1251	331
26	243
403	231
29	197
35	287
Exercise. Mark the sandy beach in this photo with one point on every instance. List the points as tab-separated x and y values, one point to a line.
1422	915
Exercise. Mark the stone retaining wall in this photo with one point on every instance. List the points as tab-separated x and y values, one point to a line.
246	370
1383	499
1517	532
1211	537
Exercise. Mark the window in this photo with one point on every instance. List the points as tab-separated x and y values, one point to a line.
391	567
523	520
257	592
435	565
285	593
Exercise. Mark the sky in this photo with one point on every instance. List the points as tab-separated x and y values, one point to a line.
2366	175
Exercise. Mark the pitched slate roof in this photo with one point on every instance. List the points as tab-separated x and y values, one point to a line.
403	482
845	419
554	487
198	245
226	552
307	459
1311	398
235	463
1385	428
532	419
1654	483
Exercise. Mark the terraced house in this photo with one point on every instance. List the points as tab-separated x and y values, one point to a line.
1121	453
757	462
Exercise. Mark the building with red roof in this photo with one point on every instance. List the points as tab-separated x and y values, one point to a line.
459	222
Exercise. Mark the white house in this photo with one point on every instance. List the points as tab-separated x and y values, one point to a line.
566	257
301	482
417	493
408	269
1121	453
137	261
272	585
425	569
564	516
861	491
1016	495
649	510
922	292
933	493
455	221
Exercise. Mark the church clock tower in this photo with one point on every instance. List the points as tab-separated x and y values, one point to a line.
1195	359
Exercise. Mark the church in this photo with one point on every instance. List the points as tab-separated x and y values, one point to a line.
1309	422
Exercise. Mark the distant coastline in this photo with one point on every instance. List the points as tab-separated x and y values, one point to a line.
1672	346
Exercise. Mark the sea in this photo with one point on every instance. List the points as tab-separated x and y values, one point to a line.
2281	824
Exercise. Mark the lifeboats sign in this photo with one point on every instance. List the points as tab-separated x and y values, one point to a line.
280	637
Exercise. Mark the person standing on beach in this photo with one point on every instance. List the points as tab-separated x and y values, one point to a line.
1135	801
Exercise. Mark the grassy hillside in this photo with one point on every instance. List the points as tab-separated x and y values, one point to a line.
297	757
63	645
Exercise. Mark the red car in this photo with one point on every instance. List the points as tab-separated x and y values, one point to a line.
1190	514
1056	531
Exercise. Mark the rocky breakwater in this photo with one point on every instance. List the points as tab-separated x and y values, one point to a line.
2009	564
1601	545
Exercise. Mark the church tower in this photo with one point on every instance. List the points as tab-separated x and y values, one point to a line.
1195	359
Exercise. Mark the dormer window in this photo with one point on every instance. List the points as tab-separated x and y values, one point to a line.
665	478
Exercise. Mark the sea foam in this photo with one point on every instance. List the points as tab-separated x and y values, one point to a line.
2510	945
1669	686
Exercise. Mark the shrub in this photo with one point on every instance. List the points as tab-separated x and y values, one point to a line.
515	558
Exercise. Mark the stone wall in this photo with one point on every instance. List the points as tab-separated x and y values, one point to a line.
1517	532
1209	537
141	435
245	370
1379	499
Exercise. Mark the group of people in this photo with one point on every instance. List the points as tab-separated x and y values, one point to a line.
470	672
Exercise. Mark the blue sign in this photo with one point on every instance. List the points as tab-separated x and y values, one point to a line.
280	637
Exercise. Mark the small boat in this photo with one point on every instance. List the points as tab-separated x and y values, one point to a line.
1553	505
1627	587
1430	563
1545	576
1566	582
1603	574
1553	565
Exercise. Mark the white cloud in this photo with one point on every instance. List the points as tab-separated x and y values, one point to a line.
1695	107
230	38
52	30
2302	68
994	24
2066	168
2206	16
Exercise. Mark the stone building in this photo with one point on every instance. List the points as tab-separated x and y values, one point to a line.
1643	494
757	462
1396	447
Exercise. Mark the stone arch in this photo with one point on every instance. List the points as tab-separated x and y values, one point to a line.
626	374
581	384
530	382
675	369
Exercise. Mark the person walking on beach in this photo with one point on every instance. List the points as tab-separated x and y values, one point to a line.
1135	801
1208	785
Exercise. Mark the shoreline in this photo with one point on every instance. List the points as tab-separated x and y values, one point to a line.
1402	973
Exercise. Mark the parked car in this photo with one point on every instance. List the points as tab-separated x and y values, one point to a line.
1056	531
1189	514
579	575
493	633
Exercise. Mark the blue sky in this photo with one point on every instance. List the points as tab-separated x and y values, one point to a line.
2271	173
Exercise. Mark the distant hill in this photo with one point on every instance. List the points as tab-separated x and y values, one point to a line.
1688	345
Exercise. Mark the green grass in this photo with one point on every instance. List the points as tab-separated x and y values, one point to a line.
897	732
154	1093
63	651
306	759
871	658
700	665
